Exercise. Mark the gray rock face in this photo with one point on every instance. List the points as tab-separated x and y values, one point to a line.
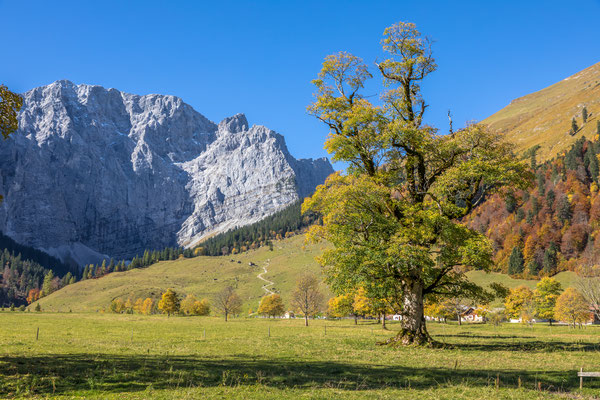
94	172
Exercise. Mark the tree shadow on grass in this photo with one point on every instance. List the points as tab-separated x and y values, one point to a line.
523	343
464	335
65	374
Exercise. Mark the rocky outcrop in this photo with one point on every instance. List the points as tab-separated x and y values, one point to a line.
94	171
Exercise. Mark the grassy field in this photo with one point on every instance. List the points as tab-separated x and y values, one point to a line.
110	356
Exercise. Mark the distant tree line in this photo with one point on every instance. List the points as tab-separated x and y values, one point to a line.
170	304
24	270
35	255
282	224
149	257
306	299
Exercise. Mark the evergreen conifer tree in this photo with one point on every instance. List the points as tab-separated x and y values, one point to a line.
593	167
515	261
550	196
564	209
549	259
533	267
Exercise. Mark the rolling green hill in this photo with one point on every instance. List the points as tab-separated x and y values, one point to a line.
204	276
566	279
544	118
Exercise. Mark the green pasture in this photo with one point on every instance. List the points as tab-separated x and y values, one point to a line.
110	356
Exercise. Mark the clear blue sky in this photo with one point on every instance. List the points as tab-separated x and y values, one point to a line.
258	57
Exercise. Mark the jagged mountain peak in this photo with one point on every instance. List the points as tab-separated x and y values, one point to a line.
235	124
116	173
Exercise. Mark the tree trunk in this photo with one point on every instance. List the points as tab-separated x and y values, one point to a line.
414	331
225	316
459	319
305	319
355	319
383	321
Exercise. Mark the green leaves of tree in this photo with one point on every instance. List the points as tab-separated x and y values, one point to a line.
10	104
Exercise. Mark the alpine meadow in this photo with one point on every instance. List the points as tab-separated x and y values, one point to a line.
391	226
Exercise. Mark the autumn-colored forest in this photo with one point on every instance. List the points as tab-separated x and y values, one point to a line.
554	225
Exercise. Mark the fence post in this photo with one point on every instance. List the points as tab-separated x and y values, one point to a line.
581	379
37	334
269	331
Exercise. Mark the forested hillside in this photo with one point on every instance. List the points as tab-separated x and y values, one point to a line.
277	226
555	225
23	270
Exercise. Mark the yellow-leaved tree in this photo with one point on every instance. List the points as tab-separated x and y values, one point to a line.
271	305
138	305
519	302
361	305
169	303
340	306
10	104
187	304
117	306
192	306
202	307
546	293
571	307
394	219
147	306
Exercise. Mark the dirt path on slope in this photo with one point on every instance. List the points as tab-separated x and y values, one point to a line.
267	282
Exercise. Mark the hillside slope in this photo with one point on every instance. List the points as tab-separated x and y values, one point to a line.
544	118
554	225
205	276
202	276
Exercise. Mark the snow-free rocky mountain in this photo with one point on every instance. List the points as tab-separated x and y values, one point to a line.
95	172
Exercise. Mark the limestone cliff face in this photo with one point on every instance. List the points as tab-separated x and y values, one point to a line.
94	171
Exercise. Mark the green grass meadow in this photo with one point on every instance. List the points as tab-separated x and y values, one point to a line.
90	354
109	356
